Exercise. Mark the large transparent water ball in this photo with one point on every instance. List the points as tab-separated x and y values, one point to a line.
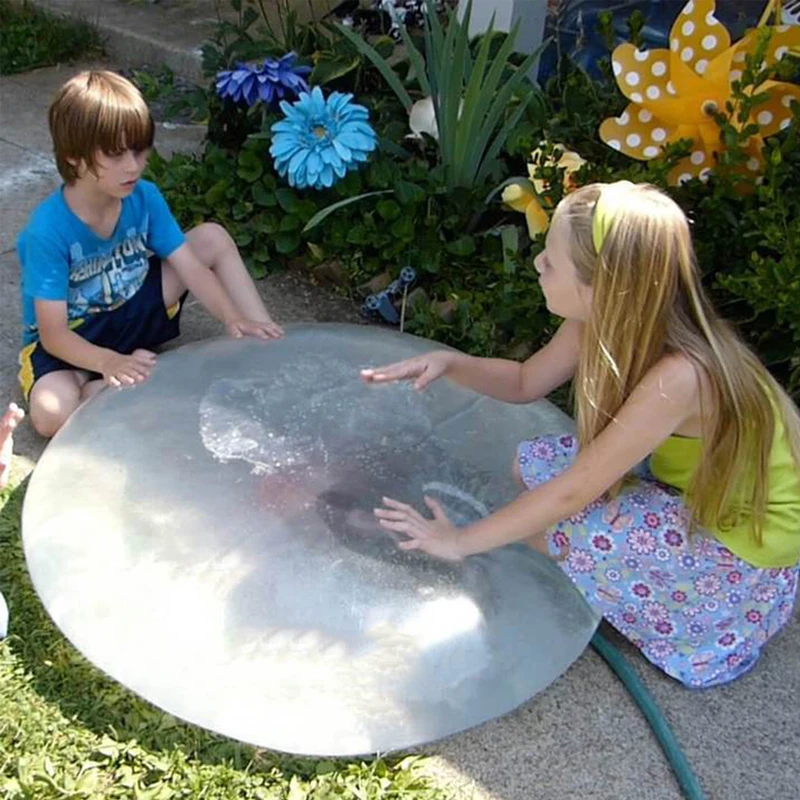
207	539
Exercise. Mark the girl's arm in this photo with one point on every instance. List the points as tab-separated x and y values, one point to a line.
667	396
500	378
545	370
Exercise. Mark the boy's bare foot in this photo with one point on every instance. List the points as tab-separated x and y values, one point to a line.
8	423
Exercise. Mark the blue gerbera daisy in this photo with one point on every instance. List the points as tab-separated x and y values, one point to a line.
320	140
273	80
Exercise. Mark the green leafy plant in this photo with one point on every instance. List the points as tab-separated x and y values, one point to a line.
747	238
242	194
262	29
478	100
257	30
35	38
476	287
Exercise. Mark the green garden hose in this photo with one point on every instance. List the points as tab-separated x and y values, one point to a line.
647	704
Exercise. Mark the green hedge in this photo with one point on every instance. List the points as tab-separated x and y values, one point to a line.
473	259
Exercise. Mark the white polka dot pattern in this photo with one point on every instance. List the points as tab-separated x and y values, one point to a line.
782	40
659	69
672	92
701	38
776	113
639	79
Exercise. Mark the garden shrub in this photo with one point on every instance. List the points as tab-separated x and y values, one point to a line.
34	38
474	260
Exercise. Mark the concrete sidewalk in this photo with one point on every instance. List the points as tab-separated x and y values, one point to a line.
169	32
583	737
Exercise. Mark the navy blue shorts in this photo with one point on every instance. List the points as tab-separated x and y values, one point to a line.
140	322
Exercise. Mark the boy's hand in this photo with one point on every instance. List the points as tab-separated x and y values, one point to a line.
261	330
119	370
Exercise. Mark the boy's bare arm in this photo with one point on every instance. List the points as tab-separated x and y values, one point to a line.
61	342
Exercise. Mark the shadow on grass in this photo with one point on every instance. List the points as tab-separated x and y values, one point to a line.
63	677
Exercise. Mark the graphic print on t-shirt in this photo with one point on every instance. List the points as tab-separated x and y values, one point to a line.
104	279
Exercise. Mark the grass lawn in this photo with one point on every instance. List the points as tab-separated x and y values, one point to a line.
68	731
33	38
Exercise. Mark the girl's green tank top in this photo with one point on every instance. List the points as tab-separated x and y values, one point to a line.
674	462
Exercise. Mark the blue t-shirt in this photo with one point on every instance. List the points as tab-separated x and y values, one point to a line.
63	259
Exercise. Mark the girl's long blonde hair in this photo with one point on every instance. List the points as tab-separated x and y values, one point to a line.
647	301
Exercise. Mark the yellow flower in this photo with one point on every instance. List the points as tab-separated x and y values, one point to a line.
522	198
673	92
569	161
524	195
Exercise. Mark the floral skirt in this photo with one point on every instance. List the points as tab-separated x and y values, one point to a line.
692	607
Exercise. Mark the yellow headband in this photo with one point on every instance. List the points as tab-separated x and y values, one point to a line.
605	211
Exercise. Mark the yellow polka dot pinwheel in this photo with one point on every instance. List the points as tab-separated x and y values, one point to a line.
674	92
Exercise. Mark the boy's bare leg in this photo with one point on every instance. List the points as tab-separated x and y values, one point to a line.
54	397
8	423
91	388
213	246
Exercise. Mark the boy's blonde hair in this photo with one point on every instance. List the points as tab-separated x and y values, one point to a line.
97	111
648	301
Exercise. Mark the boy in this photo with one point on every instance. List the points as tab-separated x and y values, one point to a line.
94	303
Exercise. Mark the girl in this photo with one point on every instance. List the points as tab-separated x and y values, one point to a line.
676	510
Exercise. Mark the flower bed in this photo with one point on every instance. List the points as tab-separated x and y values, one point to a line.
442	194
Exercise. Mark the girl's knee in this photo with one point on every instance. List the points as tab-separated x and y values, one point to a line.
541	459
